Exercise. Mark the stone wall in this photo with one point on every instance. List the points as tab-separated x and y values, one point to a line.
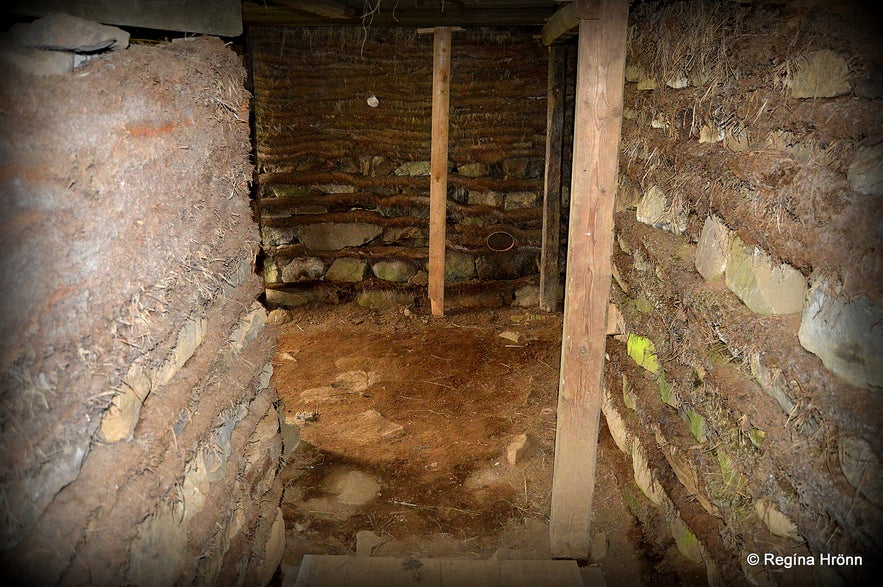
745	384
140	437
343	146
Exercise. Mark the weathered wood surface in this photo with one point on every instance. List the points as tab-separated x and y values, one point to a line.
597	130
553	180
349	571
438	179
210	17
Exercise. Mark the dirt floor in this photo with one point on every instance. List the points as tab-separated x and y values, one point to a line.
409	426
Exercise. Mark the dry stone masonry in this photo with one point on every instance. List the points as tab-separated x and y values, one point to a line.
745	384
140	435
344	179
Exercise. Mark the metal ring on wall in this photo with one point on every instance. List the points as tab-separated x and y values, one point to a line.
500	241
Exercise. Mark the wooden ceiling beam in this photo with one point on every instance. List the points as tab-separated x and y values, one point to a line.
405	15
323	8
567	18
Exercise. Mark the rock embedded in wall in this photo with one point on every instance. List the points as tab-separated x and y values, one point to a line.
273	237
394	270
527	297
303	269
523	168
766	288
458	266
485	198
861	467
329	236
871	86
846	333
347	269
711	252
520	200
820	74
473	170
865	173
414	169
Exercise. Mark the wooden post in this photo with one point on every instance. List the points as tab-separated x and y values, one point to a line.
597	129
438	186
553	179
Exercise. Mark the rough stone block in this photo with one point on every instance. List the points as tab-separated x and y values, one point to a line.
737	140
159	552
489	198
865	173
347	269
527	297
278	317
652	206
687	543
519	200
303	269
763	287
616	424
711	252
37	62
458	267
273	550
397	234
523	168
288	191
644	476
335	188
711	134
772	382
353	487
846	334
516	449
274	237
248	328
414	168
633	73
473	170
271	272
189	339
382	300
861	467
328	236
778	523
395	270
871	86
294	299
820	74
119	420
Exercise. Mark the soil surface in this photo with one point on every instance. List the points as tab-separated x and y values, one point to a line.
442	485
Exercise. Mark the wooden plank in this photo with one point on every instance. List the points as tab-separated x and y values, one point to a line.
325	8
438	179
210	17
567	18
406	14
597	129
350	571
553	179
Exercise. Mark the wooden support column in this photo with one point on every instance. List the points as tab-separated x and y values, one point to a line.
438	185
597	129
553	178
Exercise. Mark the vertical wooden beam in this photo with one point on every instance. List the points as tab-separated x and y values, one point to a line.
553	178
597	128
438	186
